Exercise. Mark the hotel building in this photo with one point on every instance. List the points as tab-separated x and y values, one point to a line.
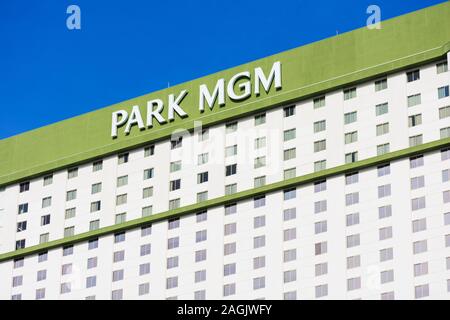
322	172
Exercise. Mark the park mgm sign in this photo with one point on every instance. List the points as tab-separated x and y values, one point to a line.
237	88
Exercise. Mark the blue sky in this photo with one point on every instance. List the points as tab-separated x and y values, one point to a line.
128	48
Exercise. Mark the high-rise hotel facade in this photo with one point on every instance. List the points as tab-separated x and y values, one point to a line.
322	172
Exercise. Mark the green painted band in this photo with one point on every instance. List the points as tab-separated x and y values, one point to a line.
313	69
281	185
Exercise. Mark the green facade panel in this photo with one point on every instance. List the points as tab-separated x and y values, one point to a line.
308	70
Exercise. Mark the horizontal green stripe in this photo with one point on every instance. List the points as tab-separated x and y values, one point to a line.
301	180
322	66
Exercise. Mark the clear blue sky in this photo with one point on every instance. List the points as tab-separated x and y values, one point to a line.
128	48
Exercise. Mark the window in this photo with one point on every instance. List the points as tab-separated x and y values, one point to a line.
351	178
200	276
203	135
289	111
72	173
20	244
174	204
351	157
95	206
122	181
383	149
18	263
96	188
320	126
445	154
289	276
445	133
417	182
229	269
385	233
320	145
380	84
259	201
230	209
415	140
259	242
353	240
231	151
230	188
441	67
383	170
352	219
201	216
147	192
260	119
386	254
351	137
92	263
48	180
24	186
17	281
289	173
231	127
414	100
260	142
320	186
172	262
230	169
175	185
349	93
69	232
289	214
149	151
200	255
319	102
350	117
413	75
443	92
353	262
386	276
21	226
117	294
421	291
259	181
230	228
353	284
146	230
382	128
175	166
320	248
229	248
40	294
46	202
420	246
66	269
121	199
91	281
259	262
200	236
289	154
97	165
202	158
23	208
290	255
121	218
444	112
416	161
44	238
259	283
260	162
117	275
384	191
173	243
320	206
93	244
229	289
289	134
289	194
384	211
202	196
202	177
320	227
420	269
418	203
176	143
381	109
94	225
351	198
45	220
415	120
148	173
291	295
321	269
71	195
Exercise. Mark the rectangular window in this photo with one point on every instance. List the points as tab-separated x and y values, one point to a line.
386	254
94	225
441	67
289	173
351	198
72	173
148	173
415	140
319	102
320	248
229	248
350	93
259	201
46	202
202	196
69	232
382	128
149	151
291	213
320	145
173	243
23	208
353	283
289	111
289	134
386	276
259	181
384	211
230	188
203	135
384	191
230	228
122	158
175	166
97	165
351	157
260	119
320	186
351	137
353	240
231	151
147	192
350	117
320	126
419	225
417	182
231	127
259	283
45	220
71	195
175	185
385	233
48	180
320	206
230	209
445	133
122	181
259	242
202	158
229	289
416	161
289	194
121	218
352	219
121	199
320	227
44	238
353	262
260	162
321	269
289	276
230	169
229	269
414	100
383	149
95	206
289	255
380	84
260	142
259	262
444	112
24	186
176	143
21	226
351	178
96	188
415	120
421	291
381	109
443	92
413	75
202	177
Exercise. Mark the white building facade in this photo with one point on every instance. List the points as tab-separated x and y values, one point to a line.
366	216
